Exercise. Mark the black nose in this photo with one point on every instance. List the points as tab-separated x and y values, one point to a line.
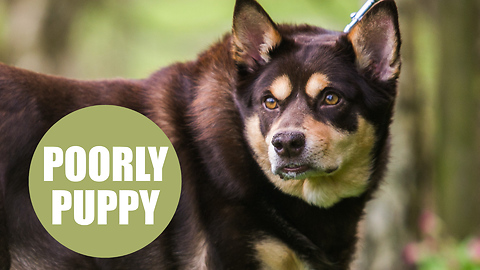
288	144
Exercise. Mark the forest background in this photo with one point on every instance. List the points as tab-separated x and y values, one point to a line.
427	213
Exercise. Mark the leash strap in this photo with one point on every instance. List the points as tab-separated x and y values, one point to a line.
357	16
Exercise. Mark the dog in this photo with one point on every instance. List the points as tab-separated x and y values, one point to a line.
282	132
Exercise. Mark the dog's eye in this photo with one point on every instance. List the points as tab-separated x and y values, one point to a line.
331	99
270	103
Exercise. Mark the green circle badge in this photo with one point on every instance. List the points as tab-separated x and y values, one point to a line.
105	181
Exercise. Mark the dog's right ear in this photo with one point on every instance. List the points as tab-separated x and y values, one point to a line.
254	35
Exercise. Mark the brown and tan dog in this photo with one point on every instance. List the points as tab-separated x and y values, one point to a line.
282	134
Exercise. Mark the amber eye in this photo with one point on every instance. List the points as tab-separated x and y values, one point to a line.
331	99
270	103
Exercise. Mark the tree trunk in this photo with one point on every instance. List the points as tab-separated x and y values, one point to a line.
38	33
457	157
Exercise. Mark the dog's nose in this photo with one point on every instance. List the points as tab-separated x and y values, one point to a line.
288	144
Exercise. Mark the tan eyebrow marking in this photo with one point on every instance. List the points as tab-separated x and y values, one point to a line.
281	87
316	84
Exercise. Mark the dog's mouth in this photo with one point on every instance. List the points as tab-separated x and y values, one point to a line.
297	169
302	171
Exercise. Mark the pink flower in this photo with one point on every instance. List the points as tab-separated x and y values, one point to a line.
428	223
411	253
474	249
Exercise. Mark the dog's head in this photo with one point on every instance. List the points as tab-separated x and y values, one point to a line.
316	104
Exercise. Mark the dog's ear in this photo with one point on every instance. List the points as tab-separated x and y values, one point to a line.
254	35
376	42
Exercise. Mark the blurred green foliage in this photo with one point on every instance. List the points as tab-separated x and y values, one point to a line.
436	249
131	38
450	256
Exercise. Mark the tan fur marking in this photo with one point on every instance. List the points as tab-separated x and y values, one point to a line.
316	84
275	255
351	152
257	141
281	87
201	252
271	39
363	57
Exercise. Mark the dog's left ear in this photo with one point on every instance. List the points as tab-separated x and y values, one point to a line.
376	42
254	34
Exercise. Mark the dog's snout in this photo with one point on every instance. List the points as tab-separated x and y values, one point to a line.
289	144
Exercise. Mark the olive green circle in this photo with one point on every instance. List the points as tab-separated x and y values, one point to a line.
107	126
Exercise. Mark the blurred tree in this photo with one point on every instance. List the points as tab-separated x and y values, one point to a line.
55	29
38	32
411	105
457	157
